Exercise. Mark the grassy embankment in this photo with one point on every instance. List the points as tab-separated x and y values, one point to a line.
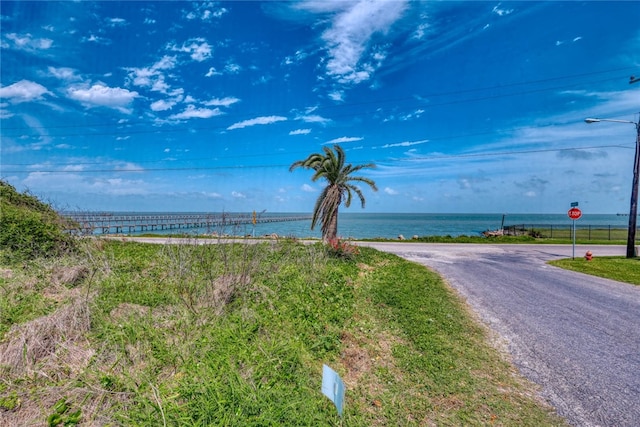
117	333
615	268
237	334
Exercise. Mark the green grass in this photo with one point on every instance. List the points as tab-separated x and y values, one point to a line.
236	335
558	239
615	268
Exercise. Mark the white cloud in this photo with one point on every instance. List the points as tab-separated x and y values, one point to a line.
265	120
96	39
415	115
350	34
238	195
153	77
390	191
221	102
575	39
344	139
421	31
299	56
100	95
117	22
205	11
313	118
23	91
321	6
405	143
212	72
86	185
307	188
212	195
165	63
197	48
232	68
64	73
162	105
300	132
128	166
199	113
501	12
28	42
337	95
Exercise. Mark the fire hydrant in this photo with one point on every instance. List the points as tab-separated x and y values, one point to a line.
588	256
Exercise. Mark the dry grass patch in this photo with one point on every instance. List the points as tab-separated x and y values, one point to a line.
48	345
69	276
223	290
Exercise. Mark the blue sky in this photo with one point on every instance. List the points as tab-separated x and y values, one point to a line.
202	106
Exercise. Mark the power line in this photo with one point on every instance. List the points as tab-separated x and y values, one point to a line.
270	166
301	152
508	153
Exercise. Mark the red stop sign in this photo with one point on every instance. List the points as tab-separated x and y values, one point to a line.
574	213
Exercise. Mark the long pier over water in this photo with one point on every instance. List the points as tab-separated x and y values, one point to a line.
116	223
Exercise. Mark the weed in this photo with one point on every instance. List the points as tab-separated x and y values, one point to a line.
62	415
9	402
342	248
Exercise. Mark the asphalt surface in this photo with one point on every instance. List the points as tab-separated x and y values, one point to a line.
576	336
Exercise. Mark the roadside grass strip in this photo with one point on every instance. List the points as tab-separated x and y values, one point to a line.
237	334
618	268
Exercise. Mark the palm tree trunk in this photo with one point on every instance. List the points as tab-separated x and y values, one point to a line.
332	230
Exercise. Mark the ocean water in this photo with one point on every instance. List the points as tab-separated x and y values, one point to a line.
390	226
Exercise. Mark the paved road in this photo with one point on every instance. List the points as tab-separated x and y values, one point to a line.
576	336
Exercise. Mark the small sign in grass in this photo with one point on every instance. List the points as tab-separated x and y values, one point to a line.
333	387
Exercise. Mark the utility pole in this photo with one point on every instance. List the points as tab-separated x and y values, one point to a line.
633	211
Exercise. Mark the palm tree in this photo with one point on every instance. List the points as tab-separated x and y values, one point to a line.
331	166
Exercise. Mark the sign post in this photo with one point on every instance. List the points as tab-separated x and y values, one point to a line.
253	221
575	214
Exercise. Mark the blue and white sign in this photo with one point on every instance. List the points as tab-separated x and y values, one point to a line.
333	387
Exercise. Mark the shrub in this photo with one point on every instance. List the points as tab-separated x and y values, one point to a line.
342	248
30	228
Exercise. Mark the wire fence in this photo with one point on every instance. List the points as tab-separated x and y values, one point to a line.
565	231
